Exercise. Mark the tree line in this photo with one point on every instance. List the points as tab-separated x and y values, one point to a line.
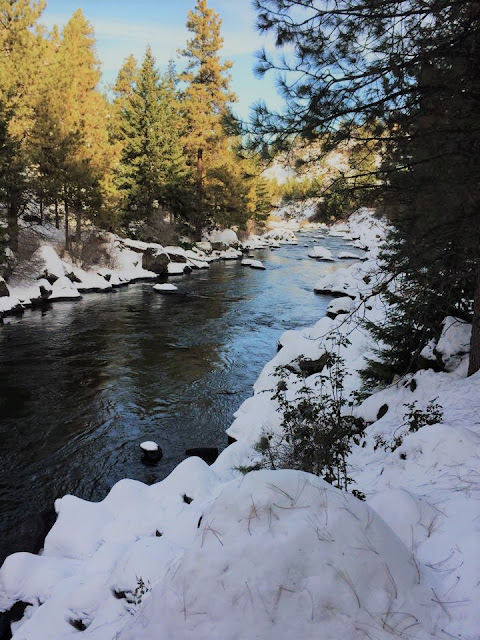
153	152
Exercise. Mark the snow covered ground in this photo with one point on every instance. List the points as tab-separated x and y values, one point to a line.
212	553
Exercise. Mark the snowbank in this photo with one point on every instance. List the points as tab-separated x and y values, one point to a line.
273	554
210	553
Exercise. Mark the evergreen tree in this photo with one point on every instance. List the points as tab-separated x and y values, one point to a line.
415	90
20	46
204	103
84	121
152	171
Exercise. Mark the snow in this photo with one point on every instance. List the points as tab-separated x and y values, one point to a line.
9	304
282	554
283	548
349	255
454	342
197	259
149	445
47	260
339	306
256	264
63	289
172	252
226	237
165	288
204	246
44	284
230	254
90	280
320	253
176	268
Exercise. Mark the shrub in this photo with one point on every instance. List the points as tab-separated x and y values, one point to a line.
316	435
414	419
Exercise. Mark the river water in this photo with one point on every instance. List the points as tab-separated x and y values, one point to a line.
83	383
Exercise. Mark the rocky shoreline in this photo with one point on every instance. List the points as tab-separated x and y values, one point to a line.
46	277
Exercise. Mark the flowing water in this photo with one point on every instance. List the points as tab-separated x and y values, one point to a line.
83	383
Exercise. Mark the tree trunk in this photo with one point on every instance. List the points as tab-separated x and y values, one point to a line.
57	218
474	362
78	219
198	216
67	236
12	222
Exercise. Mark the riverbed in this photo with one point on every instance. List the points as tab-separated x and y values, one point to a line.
83	383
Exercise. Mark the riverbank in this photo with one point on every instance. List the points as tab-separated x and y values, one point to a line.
45	272
210	553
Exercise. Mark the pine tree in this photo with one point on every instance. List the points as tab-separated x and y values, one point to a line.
20	46
152	170
84	120
204	103
416	91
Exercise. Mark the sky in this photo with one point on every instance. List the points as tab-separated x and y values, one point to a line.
123	27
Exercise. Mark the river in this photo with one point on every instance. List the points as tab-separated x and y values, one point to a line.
83	383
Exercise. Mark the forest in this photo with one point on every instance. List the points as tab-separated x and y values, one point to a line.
152	155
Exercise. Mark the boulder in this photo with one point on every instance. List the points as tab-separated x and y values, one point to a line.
45	288
10	306
166	288
208	454
151	451
3	288
307	366
155	260
176	254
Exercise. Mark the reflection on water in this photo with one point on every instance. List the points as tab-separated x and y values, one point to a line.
82	384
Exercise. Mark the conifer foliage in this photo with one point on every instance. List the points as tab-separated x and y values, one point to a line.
152	169
204	102
156	154
406	74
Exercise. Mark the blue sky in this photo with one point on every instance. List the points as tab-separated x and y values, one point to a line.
128	26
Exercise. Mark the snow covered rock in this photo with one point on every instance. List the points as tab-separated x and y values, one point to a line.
177	268
89	281
281	234
349	255
10	306
320	253
151	451
220	238
337	283
340	306
256	264
3	288
231	254
450	350
45	288
156	260
204	246
110	276
176	254
64	289
165	288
